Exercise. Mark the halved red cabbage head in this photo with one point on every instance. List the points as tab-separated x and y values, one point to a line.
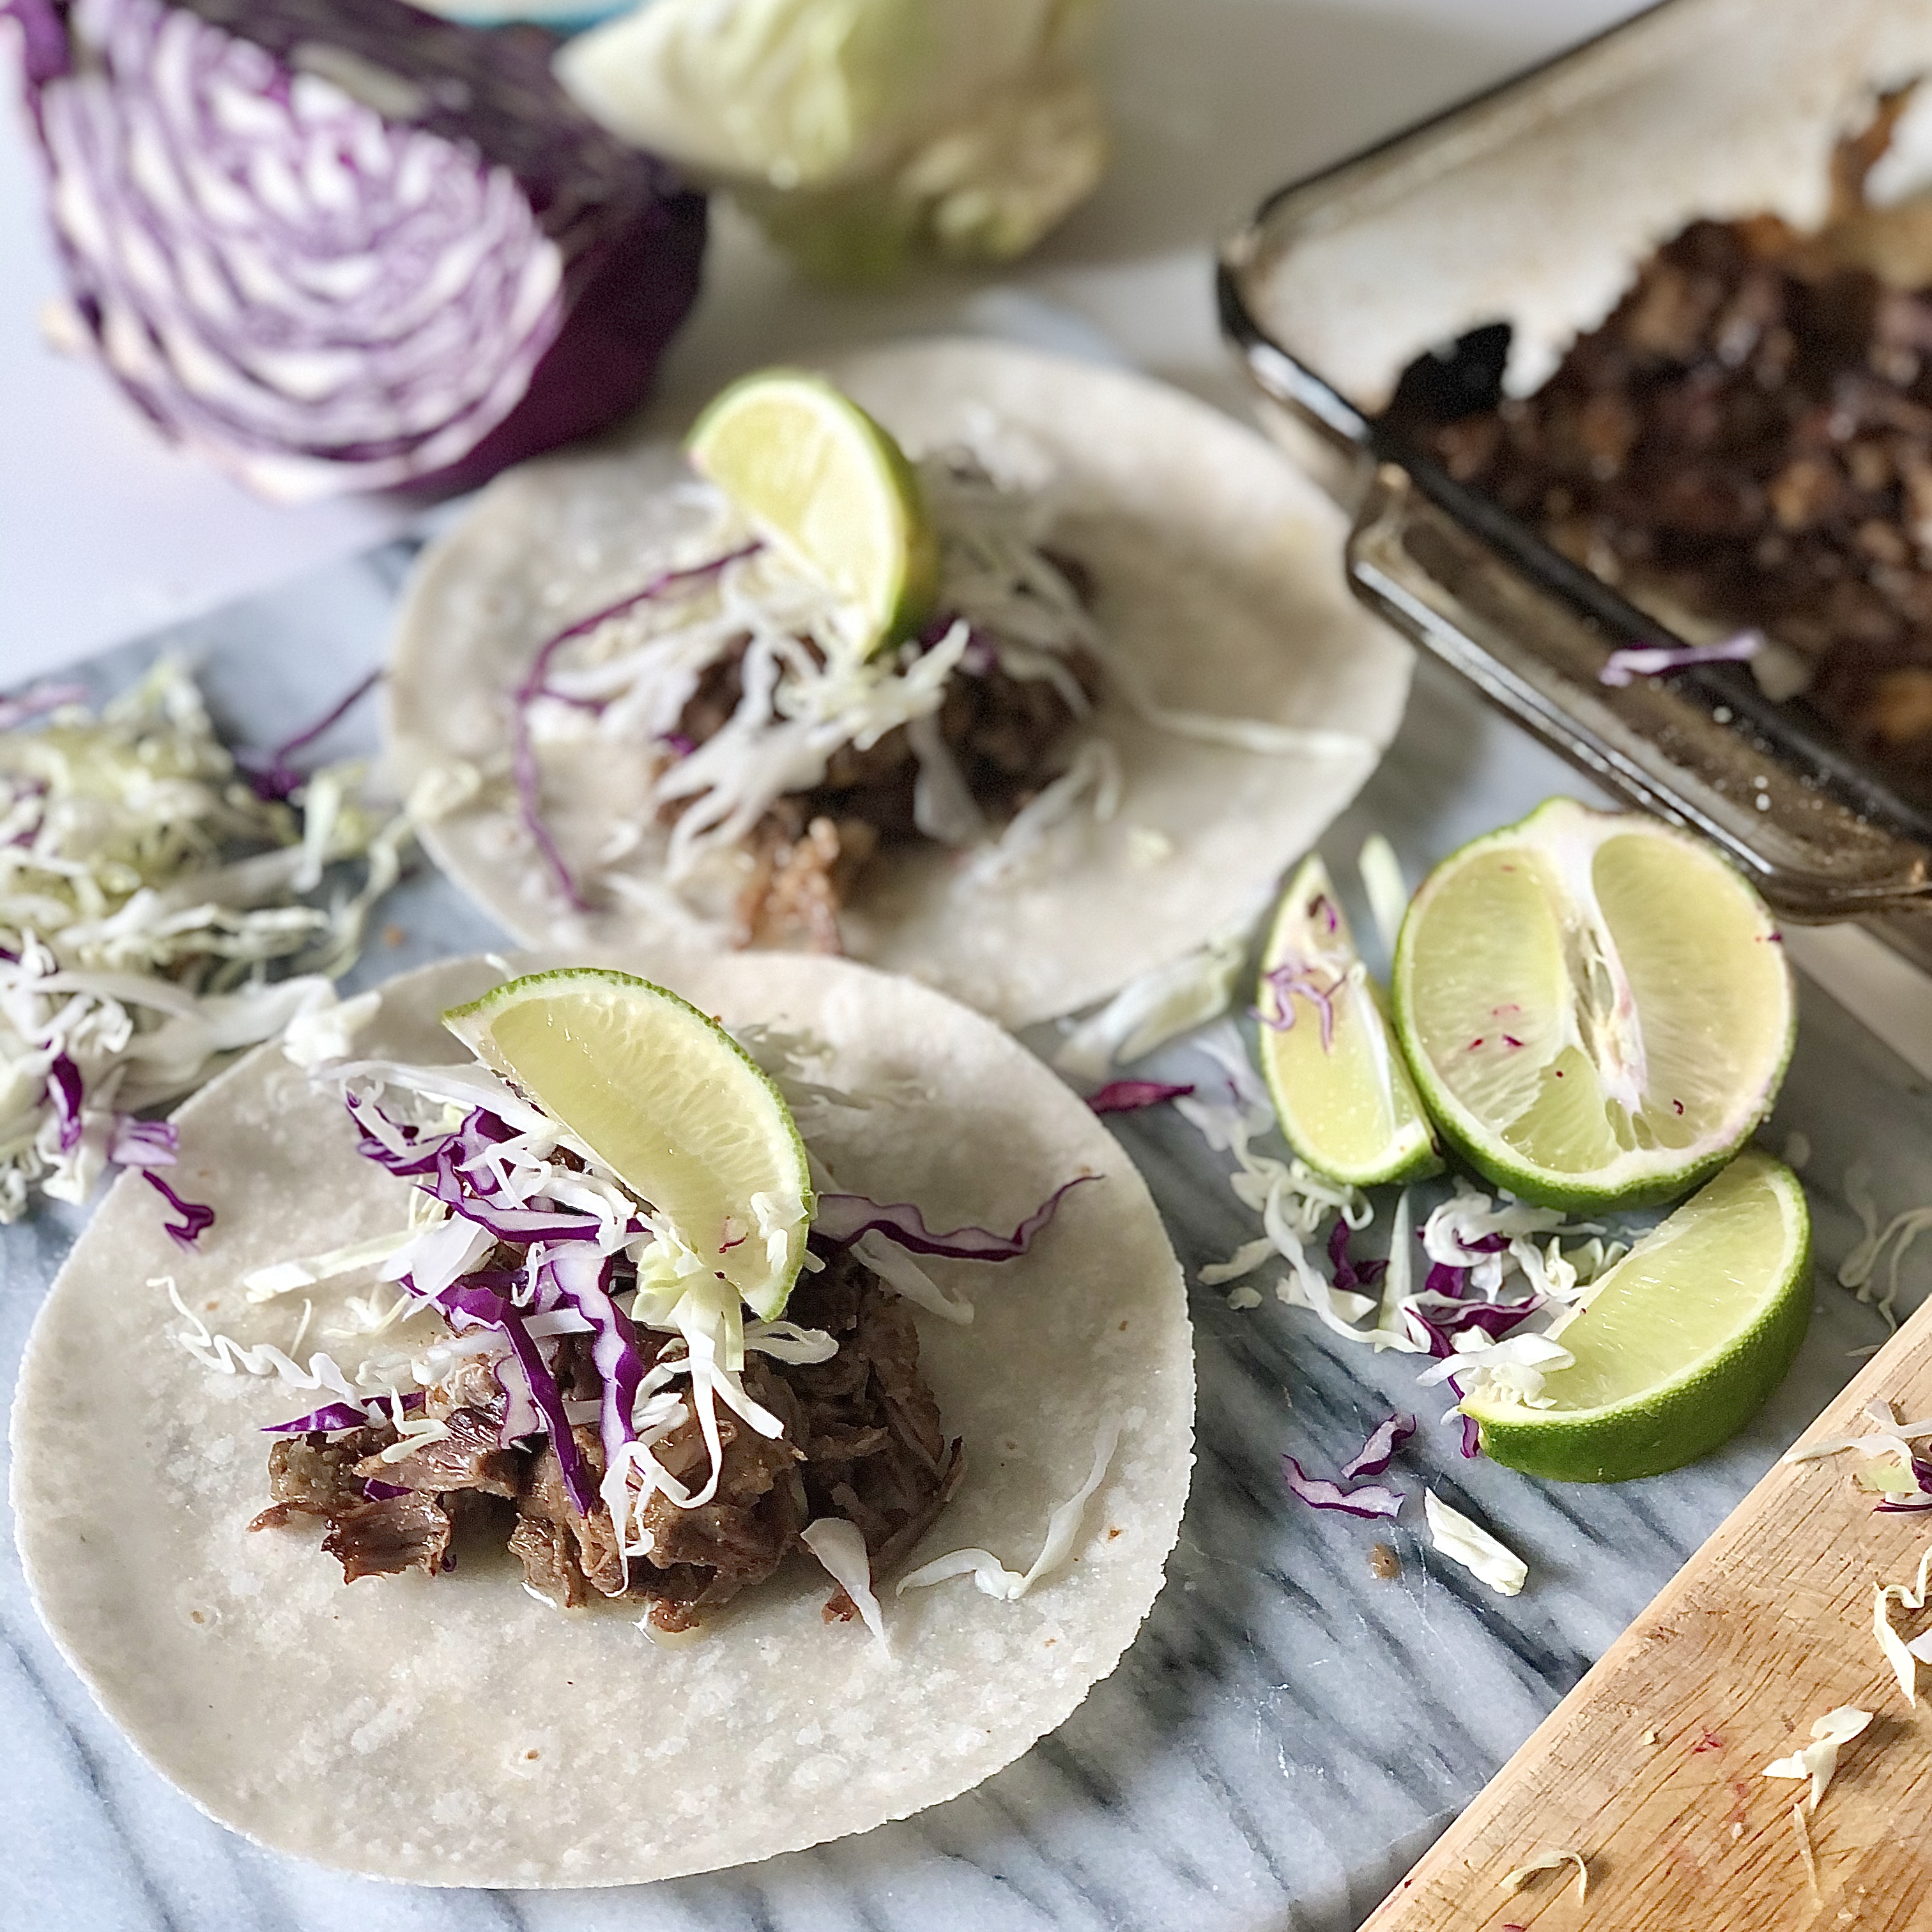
340	244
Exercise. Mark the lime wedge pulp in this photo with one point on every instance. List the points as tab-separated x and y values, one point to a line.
667	1099
1680	1343
1596	1007
1344	1098
819	479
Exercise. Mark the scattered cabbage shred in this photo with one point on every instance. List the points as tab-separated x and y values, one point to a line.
1550	1861
1472	1546
147	894
1819	1758
989	1575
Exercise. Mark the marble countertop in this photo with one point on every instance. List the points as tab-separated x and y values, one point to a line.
1285	1736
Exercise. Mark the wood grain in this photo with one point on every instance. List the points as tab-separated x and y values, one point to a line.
1651	1767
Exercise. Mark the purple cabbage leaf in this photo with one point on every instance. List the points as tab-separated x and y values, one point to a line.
841	1219
334	245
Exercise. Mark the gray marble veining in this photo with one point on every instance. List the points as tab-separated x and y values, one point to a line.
1285	1736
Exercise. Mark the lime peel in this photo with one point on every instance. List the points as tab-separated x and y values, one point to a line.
1678	1345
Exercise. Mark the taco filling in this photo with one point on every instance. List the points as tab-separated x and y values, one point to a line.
570	1372
785	761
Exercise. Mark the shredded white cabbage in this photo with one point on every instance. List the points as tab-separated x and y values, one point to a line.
1510	1370
1145	1013
132	943
1860	1266
1472	1546
225	1356
1819	1758
1387	890
1550	1861
264	1284
840	1547
990	1576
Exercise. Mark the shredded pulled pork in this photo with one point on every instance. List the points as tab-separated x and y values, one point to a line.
810	851
862	1440
1747	438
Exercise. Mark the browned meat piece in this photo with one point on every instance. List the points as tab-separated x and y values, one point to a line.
798	884
386	1537
316	1474
1749	436
549	1564
860	1438
468	1458
593	1541
875	1452
702	1557
810	852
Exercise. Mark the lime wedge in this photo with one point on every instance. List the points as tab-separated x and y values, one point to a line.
818	478
1596	1007
1345	1100
1681	1342
667	1100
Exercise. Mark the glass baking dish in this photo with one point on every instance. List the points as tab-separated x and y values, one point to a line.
1486	240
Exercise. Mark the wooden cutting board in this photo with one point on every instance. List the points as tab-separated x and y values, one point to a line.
1651	1767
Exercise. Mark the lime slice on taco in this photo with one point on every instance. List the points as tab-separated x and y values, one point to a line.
671	1101
814	474
1142	690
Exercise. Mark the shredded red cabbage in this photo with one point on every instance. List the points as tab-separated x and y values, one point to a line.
63	1089
196	1218
1378	1451
476	1303
1622	666
270	776
139	1143
1494	1318
1129	1097
1472	1435
842	1219
469	1196
445	1166
1921	1474
378	1492
1357	1278
1285	981
42	698
523	755
333	1416
583	1280
1370	1500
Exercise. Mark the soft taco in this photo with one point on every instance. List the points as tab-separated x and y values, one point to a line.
661	1535
1140	690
